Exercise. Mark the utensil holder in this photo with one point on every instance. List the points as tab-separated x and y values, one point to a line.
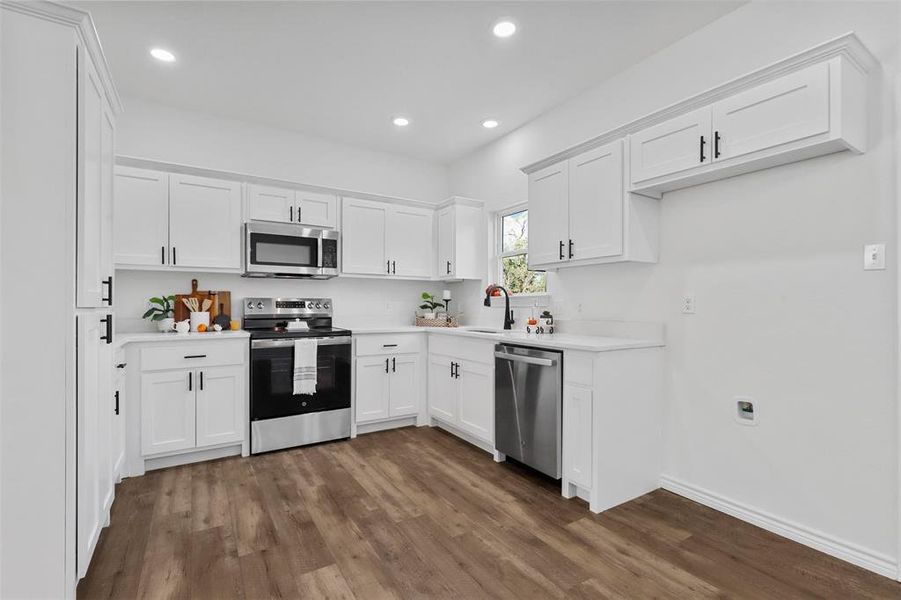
200	318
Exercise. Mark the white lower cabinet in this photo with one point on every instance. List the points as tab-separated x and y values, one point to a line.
442	388
167	411
476	389
389	378
403	385
372	388
220	405
577	435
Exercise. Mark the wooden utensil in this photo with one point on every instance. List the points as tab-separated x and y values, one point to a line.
184	309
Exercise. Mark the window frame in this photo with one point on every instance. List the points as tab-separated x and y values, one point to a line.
500	254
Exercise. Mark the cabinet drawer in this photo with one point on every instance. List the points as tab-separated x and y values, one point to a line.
462	348
389	343
188	355
578	368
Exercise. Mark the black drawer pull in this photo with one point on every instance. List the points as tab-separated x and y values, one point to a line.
389	345
195	356
121	365
190	381
117	402
201	381
108	282
703	158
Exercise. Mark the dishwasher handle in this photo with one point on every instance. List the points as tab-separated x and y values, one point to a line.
544	362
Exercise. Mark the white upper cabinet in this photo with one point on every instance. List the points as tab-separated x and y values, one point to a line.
461	242
316	209
548	214
141	217
410	241
596	203
681	143
204	222
790	108
364	226
265	203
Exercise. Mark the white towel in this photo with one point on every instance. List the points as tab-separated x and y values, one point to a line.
305	366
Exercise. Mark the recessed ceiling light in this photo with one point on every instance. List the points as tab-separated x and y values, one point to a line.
504	29
163	55
401	121
489	123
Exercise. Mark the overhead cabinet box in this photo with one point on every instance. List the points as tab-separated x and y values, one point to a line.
386	239
283	205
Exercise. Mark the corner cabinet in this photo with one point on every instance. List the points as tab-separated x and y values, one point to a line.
393	240
170	220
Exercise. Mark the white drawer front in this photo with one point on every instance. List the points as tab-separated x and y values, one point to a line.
389	343
190	355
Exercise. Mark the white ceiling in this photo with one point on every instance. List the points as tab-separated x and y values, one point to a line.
342	70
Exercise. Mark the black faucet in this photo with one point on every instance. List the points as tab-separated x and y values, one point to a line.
508	314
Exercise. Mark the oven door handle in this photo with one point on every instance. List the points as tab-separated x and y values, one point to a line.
329	341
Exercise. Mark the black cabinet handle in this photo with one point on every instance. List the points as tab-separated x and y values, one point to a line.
457	370
703	142
716	144
116	410
570	248
389	345
393	267
389	267
291	215
121	365
448	267
298	214
108	320
561	249
190	381
394	365
195	355
201	381
386	365
109	283
452	369
174	262
162	255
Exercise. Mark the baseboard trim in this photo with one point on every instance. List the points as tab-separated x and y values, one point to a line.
849	552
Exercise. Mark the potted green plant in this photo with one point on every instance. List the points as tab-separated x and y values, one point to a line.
161	311
430	305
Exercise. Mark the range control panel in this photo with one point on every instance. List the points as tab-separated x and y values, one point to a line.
302	307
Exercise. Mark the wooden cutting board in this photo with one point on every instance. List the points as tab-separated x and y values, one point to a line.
181	311
221	302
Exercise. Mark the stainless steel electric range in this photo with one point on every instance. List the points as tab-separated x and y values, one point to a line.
278	418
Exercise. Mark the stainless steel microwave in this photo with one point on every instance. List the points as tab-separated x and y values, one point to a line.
286	250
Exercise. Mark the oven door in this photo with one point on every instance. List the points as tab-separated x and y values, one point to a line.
272	378
282	249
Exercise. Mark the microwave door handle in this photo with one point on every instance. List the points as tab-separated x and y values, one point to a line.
319	257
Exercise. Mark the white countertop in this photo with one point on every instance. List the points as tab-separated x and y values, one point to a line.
558	341
153	336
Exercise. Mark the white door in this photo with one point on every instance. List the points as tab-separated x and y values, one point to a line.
548	214
220	405
317	210
117	438
141	217
788	109
89	273
410	241
442	388
363	237
577	435
266	203
167	411
89	519
403	385
596	203
681	143
107	157
446	235
372	388
205	222
105	420
476	389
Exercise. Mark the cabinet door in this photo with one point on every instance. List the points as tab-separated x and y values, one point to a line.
372	388
577	435
141	217
446	230
265	203
442	388
788	109
107	156
681	143
220	405
476	399
596	203
403	385
89	407
363	237
548	214
317	210
410	241
117	438
205	222
167	411
89	273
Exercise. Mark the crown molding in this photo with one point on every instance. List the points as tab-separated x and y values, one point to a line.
847	45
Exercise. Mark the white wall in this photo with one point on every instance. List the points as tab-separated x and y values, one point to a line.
785	313
155	131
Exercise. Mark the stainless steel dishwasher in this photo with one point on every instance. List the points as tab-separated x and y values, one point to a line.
528	393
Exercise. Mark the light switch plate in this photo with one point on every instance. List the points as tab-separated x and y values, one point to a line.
874	257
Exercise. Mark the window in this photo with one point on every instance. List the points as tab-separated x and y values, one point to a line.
513	251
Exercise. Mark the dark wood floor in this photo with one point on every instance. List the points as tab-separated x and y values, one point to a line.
417	513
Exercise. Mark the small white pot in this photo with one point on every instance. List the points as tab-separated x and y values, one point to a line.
198	318
166	325
428	315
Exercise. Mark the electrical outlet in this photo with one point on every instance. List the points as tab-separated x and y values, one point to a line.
688	304
874	257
